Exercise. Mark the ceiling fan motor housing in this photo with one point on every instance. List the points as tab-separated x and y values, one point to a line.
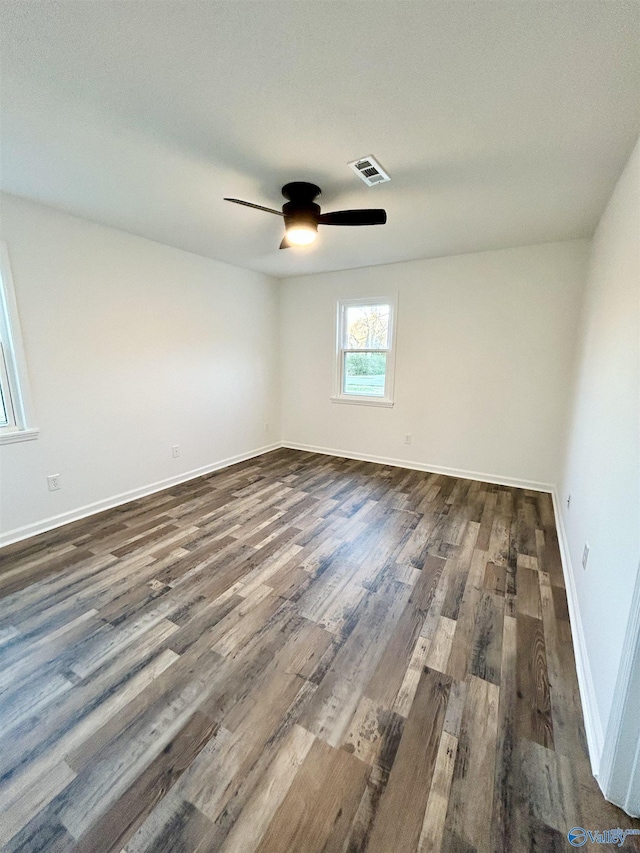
301	191
299	213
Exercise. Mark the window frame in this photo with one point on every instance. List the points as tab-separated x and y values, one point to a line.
13	366
339	395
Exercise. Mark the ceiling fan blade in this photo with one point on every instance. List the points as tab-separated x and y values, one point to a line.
370	216
285	243
257	206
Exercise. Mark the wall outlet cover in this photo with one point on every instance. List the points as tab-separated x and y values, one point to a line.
53	482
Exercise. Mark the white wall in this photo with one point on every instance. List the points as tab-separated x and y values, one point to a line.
132	347
602	460
484	355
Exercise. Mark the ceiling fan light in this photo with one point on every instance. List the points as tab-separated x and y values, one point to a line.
301	234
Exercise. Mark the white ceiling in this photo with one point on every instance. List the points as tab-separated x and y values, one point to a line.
501	123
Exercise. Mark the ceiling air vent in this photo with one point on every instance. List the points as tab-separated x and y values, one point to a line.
370	171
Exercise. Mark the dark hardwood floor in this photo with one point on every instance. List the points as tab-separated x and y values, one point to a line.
294	655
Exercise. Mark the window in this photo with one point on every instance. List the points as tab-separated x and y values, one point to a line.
365	352
15	422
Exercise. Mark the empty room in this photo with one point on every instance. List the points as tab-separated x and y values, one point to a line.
319	426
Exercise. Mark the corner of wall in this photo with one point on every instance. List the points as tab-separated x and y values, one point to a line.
279	359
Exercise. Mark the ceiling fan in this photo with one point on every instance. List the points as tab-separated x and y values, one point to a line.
302	216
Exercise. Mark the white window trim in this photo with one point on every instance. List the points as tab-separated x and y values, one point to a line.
338	395
22	428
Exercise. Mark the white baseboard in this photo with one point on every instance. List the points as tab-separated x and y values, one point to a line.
590	711
20	533
44	525
420	466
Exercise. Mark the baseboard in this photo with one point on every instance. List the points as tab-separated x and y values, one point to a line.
20	533
29	530
419	466
592	721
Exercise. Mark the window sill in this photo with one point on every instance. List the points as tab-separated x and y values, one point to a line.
18	435
363	401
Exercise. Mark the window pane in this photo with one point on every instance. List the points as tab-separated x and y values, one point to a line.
367	327
364	373
4	420
4	391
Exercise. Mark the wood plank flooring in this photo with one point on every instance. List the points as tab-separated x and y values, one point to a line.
297	654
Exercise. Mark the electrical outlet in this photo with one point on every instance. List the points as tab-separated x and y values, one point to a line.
585	555
53	482
407	438
175	451
569	502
